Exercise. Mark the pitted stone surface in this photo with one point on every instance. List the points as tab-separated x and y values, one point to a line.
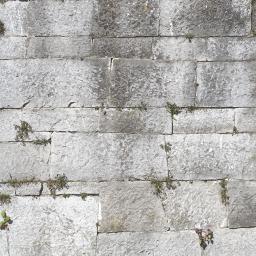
53	83
205	17
153	83
90	157
245	120
212	156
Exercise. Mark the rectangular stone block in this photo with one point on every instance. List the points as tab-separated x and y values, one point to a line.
137	47
90	157
212	156
204	121
12	47
242	203
47	226
153	83
47	18
21	162
149	244
137	207
205	17
230	242
226	84
245	119
125	18
59	47
53	83
151	120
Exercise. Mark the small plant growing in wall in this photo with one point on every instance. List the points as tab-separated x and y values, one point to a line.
60	182
158	186
5	220
23	131
42	142
205	237
173	109
189	36
5	199
166	147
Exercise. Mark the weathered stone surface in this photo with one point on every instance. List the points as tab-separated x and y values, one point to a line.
245	119
12	47
149	244
58	83
47	18
230	242
33	188
219	84
23	161
152	120
180	48
138	47
204	121
46	226
135	206
59	47
212	156
89	157
153	83
242	203
205	17
126	18
4	243
7	189
253	17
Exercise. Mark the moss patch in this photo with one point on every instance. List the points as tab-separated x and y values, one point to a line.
18	183
158	186
23	131
5	199
2	28
60	182
224	192
42	142
173	109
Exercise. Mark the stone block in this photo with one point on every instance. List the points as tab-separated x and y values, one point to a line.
245	119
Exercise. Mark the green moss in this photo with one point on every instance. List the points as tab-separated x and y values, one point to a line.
5	199
42	142
224	192
173	109
2	28
66	195
23	131
166	147
60	182
158	186
83	196
191	109
189	36
6	220
18	183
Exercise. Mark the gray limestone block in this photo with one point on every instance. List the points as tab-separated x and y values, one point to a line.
212	156
53	83
46	226
125	18
24	161
245	119
205	17
150	120
47	18
153	83
92	157
137	47
12	47
4	243
149	244
226	84
59	47
204	121
242	204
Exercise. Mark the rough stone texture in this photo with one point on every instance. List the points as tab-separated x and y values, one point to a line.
204	121
126	18
245	120
149	244
24	161
205	17
90	157
12	47
212	156
242	203
4	243
47	226
219	84
48	83
153	83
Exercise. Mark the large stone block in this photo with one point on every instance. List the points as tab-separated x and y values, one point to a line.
226	84
212	156
90	157
47	18
46	226
205	17
242	204
154	83
126	18
149	244
12	47
204	121
53	83
21	162
245	119
59	47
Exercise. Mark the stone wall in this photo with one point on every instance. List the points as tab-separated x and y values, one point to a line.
128	127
